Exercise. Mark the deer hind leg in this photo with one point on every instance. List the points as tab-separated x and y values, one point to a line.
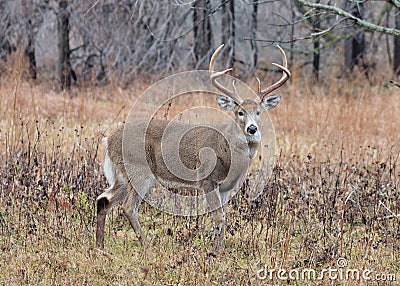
115	194
130	207
112	196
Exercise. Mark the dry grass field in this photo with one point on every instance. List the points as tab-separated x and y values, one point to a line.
334	193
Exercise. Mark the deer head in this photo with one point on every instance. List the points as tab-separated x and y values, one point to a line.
247	112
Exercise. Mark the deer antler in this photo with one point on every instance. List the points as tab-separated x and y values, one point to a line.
215	75
286	75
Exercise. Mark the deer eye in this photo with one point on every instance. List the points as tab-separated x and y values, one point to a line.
240	113
258	112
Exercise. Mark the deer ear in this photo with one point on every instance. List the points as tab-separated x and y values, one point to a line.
226	102
270	102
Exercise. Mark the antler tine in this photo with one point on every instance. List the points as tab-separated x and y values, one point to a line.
259	85
215	75
214	57
286	75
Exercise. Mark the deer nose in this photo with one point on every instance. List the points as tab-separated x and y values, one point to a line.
252	129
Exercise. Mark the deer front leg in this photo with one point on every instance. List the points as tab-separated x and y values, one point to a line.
218	215
218	230
130	208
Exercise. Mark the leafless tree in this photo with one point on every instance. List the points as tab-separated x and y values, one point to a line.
356	21
64	51
202	33
228	30
121	39
354	44
315	23
5	23
253	32
366	24
396	46
20	21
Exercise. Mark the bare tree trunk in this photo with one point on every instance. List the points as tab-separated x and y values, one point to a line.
315	22
253	31
228	30
316	55
316	59
5	46
396	51
355	43
30	51
29	28
291	57
64	51
202	32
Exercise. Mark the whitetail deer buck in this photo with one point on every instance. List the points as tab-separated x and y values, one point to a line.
238	139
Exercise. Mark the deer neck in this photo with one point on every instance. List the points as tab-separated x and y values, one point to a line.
253	149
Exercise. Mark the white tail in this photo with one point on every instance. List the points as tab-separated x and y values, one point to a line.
237	141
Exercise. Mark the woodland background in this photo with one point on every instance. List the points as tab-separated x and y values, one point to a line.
121	40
